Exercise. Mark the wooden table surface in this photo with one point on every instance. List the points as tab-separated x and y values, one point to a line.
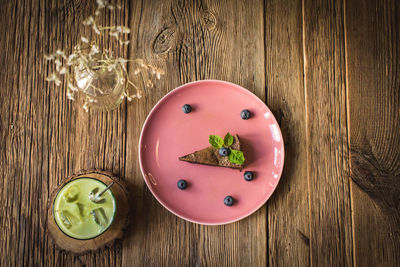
330	72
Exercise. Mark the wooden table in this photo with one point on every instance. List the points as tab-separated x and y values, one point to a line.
329	70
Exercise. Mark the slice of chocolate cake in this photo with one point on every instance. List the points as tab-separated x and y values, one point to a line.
210	156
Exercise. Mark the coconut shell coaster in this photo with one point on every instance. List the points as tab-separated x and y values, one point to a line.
91	213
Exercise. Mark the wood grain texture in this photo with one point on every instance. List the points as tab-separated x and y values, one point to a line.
328	155
373	62
288	208
193	40
328	70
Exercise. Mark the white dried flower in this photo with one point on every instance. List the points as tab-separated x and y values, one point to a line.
101	3
48	57
136	71
70	59
60	52
122	60
77	47
88	21
85	107
130	97
123	65
123	29
72	87
124	42
62	71
70	96
51	77
114	33
84	39
97	12
110	7
58	64
96	30
110	67
158	75
139	94
94	50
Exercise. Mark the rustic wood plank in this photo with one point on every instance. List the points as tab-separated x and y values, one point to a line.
373	52
288	209
193	40
44	136
328	155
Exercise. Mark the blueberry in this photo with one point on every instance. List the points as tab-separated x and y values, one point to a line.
245	114
186	108
228	200
248	176
182	184
223	151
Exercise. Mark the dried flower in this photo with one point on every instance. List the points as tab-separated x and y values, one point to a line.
114	33
86	107
123	29
101	3
70	96
49	57
63	70
94	50
96	29
88	57
88	21
72	87
53	78
124	42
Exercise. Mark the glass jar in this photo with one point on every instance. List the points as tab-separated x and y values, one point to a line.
104	88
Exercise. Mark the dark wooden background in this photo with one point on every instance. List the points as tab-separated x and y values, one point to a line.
330	72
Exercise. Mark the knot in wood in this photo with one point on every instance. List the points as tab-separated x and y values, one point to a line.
164	41
209	20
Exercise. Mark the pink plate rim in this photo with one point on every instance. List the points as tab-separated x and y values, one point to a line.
181	87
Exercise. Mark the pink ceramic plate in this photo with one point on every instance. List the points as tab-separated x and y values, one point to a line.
168	133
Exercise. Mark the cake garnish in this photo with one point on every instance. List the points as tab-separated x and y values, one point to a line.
224	148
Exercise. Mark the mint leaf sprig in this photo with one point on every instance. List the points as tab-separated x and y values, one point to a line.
236	156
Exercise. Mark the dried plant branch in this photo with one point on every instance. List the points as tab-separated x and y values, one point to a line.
87	59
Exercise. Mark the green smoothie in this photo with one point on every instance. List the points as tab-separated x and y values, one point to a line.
80	217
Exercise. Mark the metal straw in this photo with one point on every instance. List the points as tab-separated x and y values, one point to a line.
96	197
